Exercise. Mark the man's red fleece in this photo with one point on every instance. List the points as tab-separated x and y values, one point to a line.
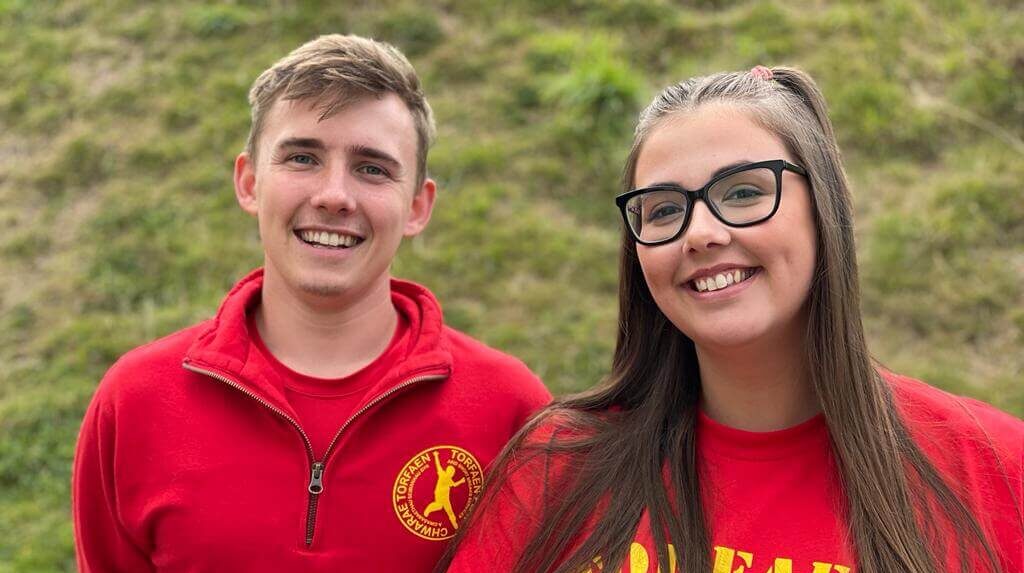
191	459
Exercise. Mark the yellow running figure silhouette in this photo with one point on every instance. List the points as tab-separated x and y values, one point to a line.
443	491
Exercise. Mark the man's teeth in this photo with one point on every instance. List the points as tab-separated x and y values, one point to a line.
722	280
328	239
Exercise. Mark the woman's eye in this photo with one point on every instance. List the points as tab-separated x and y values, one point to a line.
663	211
745	194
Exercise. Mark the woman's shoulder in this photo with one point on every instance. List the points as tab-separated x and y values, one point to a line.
559	423
926	403
554	433
956	427
548	449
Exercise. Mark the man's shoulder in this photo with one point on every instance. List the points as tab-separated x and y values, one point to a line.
469	352
157	359
473	359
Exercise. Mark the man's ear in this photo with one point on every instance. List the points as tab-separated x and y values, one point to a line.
422	207
245	183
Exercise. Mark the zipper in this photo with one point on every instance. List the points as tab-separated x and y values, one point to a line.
243	390
316	483
316	487
380	398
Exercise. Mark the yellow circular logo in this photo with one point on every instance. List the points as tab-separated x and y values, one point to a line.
433	491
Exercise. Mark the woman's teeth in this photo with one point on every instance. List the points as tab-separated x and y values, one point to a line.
328	239
722	280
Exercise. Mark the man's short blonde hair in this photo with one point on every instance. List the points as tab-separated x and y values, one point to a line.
335	70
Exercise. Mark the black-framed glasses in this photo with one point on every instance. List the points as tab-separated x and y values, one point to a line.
739	197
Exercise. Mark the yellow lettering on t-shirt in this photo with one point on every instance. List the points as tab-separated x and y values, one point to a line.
727	560
671	559
725	556
638	559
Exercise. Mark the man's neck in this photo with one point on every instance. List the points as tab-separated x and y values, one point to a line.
325	338
757	389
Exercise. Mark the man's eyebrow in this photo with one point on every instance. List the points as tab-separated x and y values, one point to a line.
374	153
304	142
717	172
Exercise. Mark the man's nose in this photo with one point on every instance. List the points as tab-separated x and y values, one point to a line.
705	231
337	192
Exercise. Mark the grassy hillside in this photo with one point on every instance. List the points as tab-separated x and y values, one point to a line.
119	122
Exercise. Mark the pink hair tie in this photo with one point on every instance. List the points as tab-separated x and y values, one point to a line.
761	73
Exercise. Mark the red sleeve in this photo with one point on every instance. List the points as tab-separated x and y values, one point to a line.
499	533
1004	502
980	451
102	543
508	517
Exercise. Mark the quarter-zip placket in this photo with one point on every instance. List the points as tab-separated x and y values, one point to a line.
317	468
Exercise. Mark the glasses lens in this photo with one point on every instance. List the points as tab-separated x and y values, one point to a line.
747	196
656	215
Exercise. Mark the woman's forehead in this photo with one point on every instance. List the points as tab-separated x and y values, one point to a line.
688	148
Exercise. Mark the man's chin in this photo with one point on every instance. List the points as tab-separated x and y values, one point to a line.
323	289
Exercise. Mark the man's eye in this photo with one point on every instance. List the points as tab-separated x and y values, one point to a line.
373	170
302	159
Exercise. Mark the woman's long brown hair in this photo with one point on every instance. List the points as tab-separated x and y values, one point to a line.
641	419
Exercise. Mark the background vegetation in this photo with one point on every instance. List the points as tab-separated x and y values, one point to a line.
119	122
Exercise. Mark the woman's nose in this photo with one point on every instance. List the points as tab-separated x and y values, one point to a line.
705	230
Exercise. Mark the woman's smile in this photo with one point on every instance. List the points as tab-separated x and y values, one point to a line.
717	279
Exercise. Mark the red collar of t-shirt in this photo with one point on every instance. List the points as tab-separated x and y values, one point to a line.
358	381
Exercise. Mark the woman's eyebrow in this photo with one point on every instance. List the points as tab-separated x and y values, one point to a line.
734	165
717	172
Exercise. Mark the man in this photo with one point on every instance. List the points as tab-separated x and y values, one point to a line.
295	430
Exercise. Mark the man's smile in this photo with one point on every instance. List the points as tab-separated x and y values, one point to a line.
328	239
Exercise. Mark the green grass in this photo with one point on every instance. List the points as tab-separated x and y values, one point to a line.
119	122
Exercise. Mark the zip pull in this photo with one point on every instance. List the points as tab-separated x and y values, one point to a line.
316	483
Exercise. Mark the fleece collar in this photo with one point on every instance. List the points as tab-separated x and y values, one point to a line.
224	347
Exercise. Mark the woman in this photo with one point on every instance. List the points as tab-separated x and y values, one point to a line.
743	426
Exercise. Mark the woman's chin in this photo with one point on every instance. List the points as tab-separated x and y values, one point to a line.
719	341
724	334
